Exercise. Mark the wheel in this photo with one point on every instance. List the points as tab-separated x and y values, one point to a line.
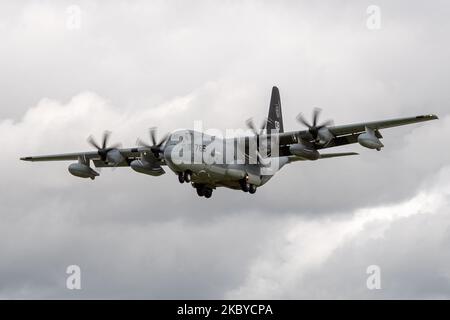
181	177
200	191
252	189
187	176
207	193
246	187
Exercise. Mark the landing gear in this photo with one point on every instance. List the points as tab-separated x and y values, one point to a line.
207	193
187	176
200	191
181	177
203	191
245	186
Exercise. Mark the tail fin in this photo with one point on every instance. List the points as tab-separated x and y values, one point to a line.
275	118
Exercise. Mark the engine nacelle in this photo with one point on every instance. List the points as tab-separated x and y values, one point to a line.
301	150
370	140
324	136
82	171
114	157
144	167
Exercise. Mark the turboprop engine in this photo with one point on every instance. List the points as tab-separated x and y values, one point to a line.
82	170
324	136
303	151
370	140
145	167
319	132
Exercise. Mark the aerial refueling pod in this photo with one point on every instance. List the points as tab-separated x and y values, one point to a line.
82	170
303	151
145	167
370	140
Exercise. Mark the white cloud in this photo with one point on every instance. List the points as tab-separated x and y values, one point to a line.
306	247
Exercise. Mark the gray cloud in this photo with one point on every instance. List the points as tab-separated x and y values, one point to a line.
132	66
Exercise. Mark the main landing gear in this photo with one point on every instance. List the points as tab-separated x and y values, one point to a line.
185	177
203	191
247	187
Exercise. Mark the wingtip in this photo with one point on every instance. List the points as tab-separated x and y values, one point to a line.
428	117
26	158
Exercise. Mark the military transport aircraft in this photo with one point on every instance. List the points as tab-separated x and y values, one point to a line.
254	159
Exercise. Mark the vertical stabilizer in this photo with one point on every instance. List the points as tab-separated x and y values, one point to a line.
275	118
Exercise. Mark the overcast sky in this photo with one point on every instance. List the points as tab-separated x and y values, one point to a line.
309	233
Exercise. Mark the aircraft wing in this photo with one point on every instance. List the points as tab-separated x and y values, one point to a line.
128	154
64	156
376	125
348	134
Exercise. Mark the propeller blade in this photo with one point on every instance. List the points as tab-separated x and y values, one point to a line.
141	143
93	143
115	146
326	124
163	140
316	115
302	120
106	135
263	125
152	131
251	125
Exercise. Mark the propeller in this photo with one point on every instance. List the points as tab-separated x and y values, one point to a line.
155	147
314	128
108	154
257	132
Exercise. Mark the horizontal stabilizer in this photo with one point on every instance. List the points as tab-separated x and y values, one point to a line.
325	156
335	155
